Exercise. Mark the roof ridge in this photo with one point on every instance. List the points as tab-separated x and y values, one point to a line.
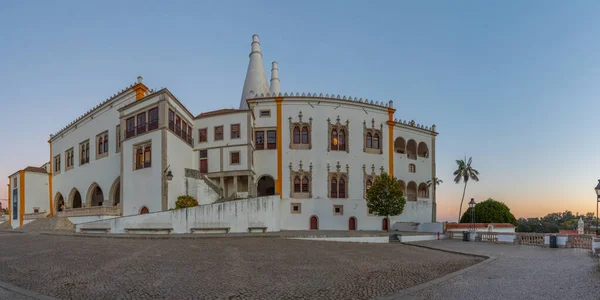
389	104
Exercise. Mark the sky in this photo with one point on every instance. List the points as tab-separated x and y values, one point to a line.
512	84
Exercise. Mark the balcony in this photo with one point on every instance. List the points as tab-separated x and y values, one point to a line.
140	129
186	136
90	211
33	216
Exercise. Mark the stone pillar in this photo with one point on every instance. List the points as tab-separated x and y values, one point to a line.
235	184
222	184
251	187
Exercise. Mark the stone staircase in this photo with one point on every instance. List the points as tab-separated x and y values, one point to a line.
48	224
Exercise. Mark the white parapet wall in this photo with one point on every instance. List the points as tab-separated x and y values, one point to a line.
237	216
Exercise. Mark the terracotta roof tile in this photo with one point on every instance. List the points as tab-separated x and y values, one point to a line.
218	112
35	169
478	225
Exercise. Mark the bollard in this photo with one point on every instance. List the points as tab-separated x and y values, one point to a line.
438	235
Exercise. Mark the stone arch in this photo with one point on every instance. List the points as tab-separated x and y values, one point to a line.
314	222
352	224
422	150
265	186
59	202
402	187
423	190
400	145
411	191
74	199
115	192
411	149
94	195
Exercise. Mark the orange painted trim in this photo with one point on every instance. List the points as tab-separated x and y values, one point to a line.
391	125
139	89
278	181
21	196
50	181
9	203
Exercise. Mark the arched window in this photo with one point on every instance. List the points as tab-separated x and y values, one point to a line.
87	152
100	145
82	159
334	139
376	141
296	135
422	150
342	140
400	145
297	183
147	157
305	184
411	149
305	138
369	140
334	186
105	143
139	158
342	188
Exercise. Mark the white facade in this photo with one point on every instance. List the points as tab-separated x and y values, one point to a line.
157	151
28	196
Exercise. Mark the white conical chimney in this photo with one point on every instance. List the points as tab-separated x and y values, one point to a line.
274	88
256	80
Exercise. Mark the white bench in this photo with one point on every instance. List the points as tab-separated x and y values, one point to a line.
149	230
211	229
95	230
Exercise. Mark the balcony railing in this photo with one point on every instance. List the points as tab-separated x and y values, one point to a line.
129	133
90	211
153	124
186	136
33	216
140	129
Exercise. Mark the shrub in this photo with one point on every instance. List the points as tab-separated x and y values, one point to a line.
185	201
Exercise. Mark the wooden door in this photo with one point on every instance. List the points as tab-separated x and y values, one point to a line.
314	223
352	223
384	224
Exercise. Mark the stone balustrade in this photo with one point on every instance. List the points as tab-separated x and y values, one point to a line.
33	216
90	211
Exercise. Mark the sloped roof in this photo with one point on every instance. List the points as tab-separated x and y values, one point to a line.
219	112
35	169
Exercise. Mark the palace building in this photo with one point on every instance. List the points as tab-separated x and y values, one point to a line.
136	152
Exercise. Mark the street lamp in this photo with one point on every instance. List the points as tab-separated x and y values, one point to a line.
472	206
597	201
168	173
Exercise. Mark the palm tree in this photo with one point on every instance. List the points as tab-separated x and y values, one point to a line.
464	172
437	182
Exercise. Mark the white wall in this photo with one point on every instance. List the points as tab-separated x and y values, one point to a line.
15	222
36	192
198	189
179	155
103	171
79	220
141	187
237	215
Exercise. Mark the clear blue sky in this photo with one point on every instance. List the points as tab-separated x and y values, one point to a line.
513	84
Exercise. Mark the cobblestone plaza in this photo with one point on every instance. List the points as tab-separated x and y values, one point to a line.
216	268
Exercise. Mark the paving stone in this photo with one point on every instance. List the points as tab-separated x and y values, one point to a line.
216	268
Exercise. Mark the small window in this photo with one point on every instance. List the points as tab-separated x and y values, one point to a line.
36	210
305	184
141	123
218	133
265	113
14	182
143	156
259	140
305	136
202	135
84	149
296	135
130	127
171	120
296	208
235	158
203	153
235	131
297	185
338	210
271	139
153	118
412	168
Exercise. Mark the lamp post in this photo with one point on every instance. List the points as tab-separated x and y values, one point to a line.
597	201
472	206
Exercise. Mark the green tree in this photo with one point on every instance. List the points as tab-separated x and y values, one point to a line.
464	172
490	211
385	198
